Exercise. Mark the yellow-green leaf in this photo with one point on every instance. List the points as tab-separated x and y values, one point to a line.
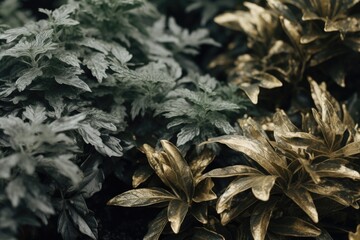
141	197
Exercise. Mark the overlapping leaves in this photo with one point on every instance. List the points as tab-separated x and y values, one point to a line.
183	195
300	165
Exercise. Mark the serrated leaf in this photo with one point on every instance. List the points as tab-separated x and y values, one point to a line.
156	226
68	58
176	212
121	54
90	134
97	65
27	77
260	219
186	134
294	227
36	114
111	147
70	79
142	197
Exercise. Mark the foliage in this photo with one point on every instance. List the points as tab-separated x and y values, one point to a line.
88	89
290	40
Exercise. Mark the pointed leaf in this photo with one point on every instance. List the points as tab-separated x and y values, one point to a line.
231	171
27	77
304	200
294	227
176	212
206	234
141	197
156	226
260	218
97	65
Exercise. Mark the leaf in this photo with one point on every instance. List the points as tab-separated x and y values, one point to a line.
231	171
200	212
262	188
70	79
181	168
65	226
304	200
67	123
336	170
294	227
36	114
28	76
235	187
356	235
263	155
176	212
7	163
199	164
206	234
141	175
260	218
121	54
141	197
81	223
156	226
68	58
186	134
15	190
97	65
110	147
229	214
203	191
90	134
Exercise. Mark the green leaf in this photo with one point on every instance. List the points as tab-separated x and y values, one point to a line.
27	77
142	197
68	58
97	65
65	226
260	219
294	227
176	212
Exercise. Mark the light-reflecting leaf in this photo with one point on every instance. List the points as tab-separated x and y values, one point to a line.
356	235
176	212
203	191
199	164
141	175
156	226
262	188
304	200
260	218
180	167
231	171
206	234
141	197
294	227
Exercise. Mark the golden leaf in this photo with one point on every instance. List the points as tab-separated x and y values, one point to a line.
294	227
176	212
260	218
